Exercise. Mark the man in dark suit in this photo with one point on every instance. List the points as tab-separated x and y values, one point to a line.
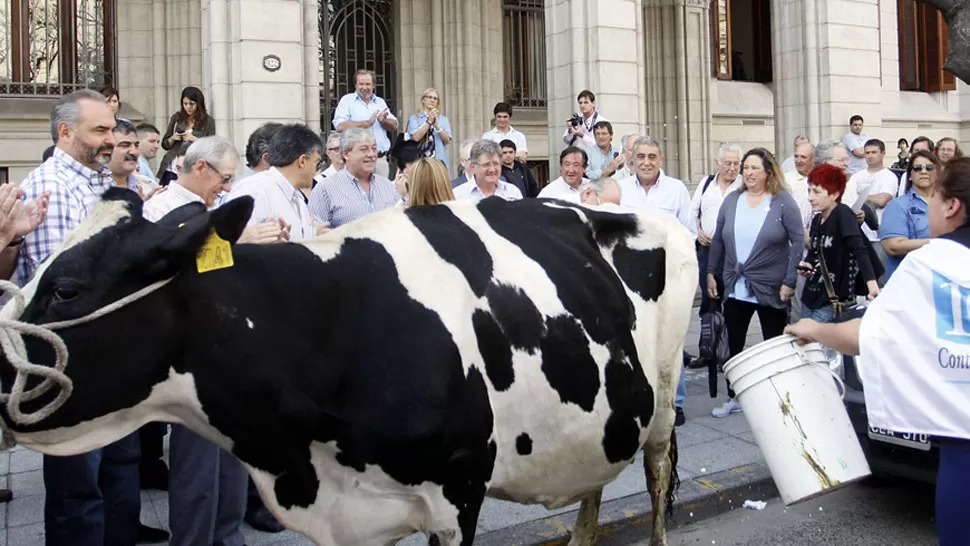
463	174
517	173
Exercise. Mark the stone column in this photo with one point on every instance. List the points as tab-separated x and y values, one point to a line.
677	54
595	45
236	38
456	47
826	68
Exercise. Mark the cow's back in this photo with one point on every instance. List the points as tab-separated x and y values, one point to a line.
569	315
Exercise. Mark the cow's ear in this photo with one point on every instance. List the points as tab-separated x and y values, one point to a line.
188	236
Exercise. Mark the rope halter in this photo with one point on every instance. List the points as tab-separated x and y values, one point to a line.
12	332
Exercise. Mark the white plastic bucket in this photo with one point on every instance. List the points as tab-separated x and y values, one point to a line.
795	410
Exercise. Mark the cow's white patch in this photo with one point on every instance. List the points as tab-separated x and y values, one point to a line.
362	507
249	323
174	400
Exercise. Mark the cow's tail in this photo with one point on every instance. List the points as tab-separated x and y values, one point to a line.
674	483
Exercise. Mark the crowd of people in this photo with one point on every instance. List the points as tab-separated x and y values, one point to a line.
802	238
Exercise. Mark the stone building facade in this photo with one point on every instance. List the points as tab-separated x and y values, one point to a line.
692	73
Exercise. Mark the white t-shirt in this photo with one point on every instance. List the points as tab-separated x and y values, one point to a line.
915	345
667	196
560	189
866	183
515	136
851	142
709	204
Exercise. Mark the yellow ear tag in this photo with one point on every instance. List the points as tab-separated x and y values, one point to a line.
216	253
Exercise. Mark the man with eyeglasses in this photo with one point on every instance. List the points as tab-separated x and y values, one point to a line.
333	156
485	164
280	193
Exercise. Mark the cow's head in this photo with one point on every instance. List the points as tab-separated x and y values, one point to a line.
118	363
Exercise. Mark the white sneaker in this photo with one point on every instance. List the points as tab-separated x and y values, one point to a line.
729	407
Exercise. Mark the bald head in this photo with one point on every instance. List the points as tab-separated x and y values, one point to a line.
804	158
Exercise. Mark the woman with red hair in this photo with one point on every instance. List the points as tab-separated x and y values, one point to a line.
839	265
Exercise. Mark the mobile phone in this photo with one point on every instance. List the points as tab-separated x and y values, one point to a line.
616	154
805	268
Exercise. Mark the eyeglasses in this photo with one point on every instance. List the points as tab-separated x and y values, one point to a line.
492	165
334	149
226	178
430	97
927	167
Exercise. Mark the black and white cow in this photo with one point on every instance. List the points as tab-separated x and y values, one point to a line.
384	378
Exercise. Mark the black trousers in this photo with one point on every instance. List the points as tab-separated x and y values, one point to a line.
737	317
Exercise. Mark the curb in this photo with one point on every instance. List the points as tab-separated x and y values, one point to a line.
627	520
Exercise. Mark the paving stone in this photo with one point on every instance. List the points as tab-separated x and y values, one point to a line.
25	461
25	510
26	484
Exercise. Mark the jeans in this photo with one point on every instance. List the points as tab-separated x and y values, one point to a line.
93	499
821	315
682	386
207	492
737	318
953	493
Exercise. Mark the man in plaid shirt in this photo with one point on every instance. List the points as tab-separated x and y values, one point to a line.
74	178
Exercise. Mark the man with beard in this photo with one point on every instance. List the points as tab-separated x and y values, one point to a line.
79	510
124	157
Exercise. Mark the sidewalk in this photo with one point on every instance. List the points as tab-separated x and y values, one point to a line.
712	451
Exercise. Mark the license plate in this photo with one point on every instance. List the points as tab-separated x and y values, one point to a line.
904	439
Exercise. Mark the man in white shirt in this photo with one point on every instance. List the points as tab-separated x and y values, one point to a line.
604	157
878	183
124	156
855	143
504	130
572	165
650	188
626	168
295	154
789	164
333	155
207	169
581	134
485	164
365	110
797	181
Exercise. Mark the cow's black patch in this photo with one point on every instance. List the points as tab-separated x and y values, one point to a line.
608	228
630	398
455	242
567	363
517	315
644	271
523	444
495	350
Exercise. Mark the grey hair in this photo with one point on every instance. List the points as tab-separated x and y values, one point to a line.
466	149
484	148
599	185
373	77
800	137
68	109
211	149
350	137
331	138
647	140
429	90
728	147
627	137
823	150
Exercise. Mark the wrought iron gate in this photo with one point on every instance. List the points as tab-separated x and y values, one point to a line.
355	35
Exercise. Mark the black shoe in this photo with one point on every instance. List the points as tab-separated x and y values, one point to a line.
263	520
147	535
154	475
680	418
696	363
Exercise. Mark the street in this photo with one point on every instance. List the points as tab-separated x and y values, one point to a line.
859	515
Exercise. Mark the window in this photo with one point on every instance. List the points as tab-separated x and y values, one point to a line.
540	170
922	48
524	29
53	47
741	40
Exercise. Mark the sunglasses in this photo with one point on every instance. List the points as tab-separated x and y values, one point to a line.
928	167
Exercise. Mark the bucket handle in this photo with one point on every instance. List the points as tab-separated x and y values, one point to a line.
838	380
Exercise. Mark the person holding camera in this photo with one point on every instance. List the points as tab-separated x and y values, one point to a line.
189	124
580	127
604	158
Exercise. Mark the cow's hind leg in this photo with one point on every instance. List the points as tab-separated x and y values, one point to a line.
587	521
660	467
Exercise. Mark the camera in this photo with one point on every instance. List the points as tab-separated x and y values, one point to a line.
576	120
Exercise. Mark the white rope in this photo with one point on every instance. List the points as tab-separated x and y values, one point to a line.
12	332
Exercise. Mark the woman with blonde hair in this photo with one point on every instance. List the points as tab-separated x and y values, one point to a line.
429	128
756	247
428	183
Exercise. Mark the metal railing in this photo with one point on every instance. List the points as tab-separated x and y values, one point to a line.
53	47
524	32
